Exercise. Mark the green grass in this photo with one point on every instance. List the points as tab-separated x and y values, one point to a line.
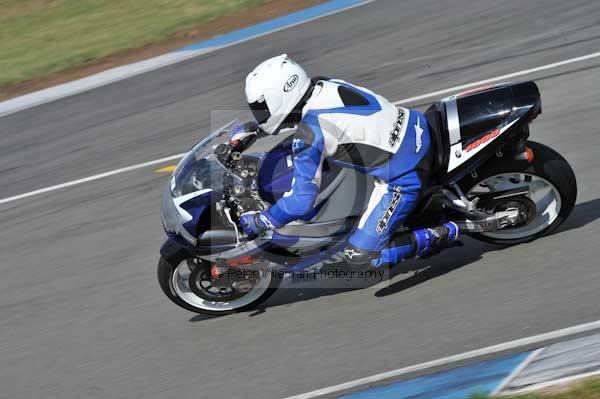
589	389
38	37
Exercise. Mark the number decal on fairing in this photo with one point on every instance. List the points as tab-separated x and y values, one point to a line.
491	135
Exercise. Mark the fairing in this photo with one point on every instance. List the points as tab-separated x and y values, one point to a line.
196	184
480	122
200	181
495	107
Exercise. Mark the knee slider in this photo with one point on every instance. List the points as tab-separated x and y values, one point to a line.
356	256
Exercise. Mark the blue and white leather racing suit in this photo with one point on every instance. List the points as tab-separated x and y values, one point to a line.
359	129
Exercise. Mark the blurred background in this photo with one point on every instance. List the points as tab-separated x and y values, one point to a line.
73	38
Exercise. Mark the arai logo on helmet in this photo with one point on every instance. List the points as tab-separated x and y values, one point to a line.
291	83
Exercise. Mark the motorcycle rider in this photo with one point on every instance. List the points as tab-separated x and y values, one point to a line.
356	128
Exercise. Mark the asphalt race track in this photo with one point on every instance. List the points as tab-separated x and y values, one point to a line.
81	313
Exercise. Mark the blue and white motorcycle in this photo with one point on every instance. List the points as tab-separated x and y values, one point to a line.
487	176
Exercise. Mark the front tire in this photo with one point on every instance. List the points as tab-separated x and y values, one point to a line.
549	171
175	282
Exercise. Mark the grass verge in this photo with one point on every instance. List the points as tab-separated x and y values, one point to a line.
589	389
40	37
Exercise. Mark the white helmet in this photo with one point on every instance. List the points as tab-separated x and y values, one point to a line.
273	89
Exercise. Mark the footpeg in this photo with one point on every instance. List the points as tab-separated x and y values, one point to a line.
498	221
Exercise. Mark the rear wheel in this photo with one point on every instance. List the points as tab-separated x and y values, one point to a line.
188	284
552	191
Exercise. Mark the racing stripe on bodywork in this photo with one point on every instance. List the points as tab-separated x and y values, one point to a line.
458	155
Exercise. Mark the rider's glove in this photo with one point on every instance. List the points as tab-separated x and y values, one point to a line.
254	223
243	135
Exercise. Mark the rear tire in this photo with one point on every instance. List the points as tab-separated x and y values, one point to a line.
166	278
548	165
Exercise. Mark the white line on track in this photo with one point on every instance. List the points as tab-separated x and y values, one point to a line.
404	101
498	78
510	345
91	178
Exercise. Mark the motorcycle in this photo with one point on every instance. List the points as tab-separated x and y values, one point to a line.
486	176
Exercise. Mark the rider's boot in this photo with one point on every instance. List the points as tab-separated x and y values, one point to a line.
421	243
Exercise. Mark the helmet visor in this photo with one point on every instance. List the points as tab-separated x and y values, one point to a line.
260	111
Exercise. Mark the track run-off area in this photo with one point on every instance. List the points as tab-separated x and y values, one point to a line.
81	313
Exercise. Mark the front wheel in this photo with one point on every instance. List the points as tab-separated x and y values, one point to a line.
552	191
188	284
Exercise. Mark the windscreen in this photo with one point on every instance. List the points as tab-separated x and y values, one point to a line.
200	169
